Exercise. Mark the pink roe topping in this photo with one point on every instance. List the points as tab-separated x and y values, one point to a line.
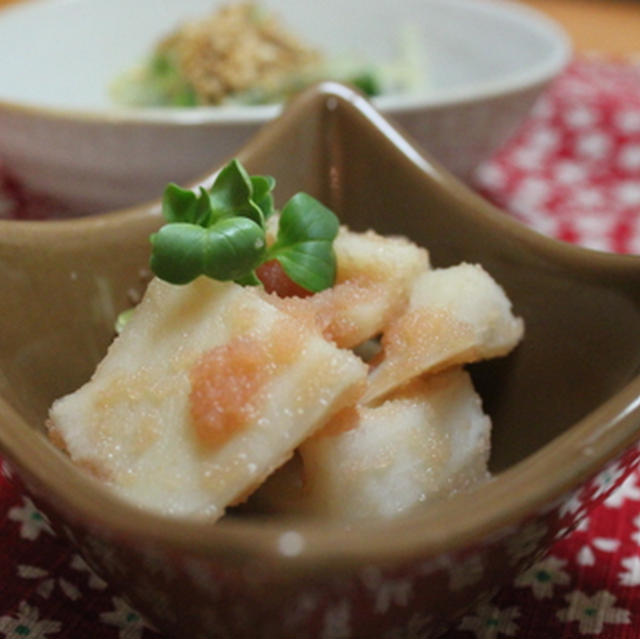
224	384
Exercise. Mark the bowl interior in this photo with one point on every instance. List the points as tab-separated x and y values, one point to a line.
75	48
64	283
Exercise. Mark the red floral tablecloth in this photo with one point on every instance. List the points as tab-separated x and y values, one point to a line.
572	171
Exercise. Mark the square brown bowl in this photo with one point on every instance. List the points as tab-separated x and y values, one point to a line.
565	405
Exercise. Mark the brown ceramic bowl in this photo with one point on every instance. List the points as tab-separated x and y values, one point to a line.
565	404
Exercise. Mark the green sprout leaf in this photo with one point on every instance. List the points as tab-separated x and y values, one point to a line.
183	205
251	279
234	247
177	252
221	233
231	194
178	204
304	246
228	250
263	185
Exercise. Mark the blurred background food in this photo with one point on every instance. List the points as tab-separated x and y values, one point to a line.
611	26
245	53
466	73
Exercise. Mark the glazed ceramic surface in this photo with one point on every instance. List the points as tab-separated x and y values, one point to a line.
481	65
565	405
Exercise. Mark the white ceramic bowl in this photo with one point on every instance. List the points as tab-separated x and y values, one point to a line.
485	62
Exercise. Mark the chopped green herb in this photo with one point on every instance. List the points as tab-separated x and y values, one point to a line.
122	319
221	233
368	81
158	82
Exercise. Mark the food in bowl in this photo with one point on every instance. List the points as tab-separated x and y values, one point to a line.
427	440
266	335
243	54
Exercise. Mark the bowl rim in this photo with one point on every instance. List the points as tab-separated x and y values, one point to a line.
555	60
577	454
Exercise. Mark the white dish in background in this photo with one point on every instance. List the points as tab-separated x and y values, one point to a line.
485	62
